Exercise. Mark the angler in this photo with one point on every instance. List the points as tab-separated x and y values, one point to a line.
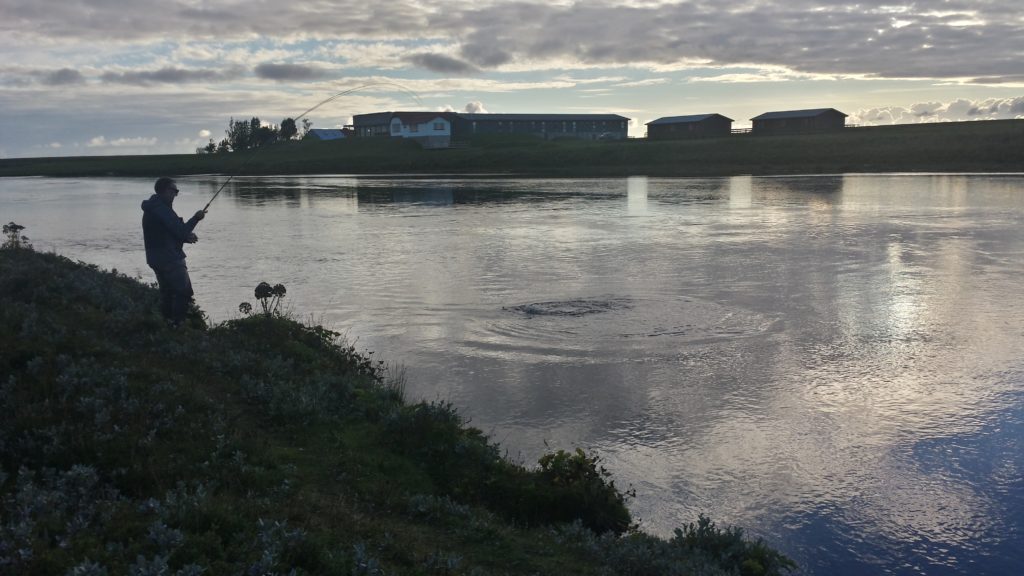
165	233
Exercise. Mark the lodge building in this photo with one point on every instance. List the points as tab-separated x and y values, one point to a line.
439	129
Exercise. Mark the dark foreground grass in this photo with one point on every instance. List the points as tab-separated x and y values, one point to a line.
989	146
265	446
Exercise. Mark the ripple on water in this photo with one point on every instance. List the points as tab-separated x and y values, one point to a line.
578	307
597	327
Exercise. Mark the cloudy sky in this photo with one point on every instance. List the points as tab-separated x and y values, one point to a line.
86	77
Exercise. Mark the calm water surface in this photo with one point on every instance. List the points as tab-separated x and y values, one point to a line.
835	363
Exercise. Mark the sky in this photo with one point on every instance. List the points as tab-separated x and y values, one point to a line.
99	77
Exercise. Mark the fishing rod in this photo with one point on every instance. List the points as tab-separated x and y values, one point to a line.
303	115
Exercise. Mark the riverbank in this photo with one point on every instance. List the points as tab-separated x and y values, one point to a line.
264	445
988	146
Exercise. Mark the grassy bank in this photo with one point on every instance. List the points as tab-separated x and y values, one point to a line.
267	446
990	146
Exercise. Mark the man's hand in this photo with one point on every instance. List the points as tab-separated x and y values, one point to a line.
192	238
200	215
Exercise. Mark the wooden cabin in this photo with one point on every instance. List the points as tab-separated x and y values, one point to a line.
693	126
798	121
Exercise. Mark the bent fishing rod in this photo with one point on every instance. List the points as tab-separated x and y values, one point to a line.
303	115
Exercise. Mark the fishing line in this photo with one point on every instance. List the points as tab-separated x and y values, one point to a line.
303	115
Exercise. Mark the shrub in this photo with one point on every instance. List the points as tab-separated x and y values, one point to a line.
729	549
15	239
572	486
269	298
457	457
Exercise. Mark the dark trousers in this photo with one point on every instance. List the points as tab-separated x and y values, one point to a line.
175	290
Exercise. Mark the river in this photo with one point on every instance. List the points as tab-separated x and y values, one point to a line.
834	363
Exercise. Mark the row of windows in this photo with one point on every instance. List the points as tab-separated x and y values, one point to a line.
564	125
542	126
397	128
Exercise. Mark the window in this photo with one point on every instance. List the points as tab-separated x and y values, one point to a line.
396	128
414	127
438	125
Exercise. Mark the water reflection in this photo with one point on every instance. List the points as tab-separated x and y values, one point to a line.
835	363
636	196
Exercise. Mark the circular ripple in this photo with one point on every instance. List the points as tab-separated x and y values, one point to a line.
579	307
604	328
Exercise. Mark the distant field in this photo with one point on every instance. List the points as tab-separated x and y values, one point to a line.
988	146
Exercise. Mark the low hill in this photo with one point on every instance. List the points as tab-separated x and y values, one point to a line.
265	446
985	146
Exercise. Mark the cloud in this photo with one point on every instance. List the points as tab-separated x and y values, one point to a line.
964	40
102	142
168	75
289	72
379	55
598	80
487	55
1001	81
63	77
20	76
470	108
954	111
442	64
204	133
645	82
766	74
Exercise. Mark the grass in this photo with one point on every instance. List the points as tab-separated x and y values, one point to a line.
266	446
984	146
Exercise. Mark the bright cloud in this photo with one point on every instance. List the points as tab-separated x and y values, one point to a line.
102	142
955	111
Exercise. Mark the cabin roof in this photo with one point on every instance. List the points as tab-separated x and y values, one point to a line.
796	114
327	133
684	119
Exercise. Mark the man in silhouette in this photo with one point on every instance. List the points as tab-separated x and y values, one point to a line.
165	233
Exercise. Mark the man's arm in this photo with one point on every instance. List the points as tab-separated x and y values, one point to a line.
174	224
195	219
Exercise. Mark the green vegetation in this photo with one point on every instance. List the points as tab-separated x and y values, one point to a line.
990	146
251	134
265	446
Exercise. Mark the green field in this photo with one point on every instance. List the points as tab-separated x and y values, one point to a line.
988	146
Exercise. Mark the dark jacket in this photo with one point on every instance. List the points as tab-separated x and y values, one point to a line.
164	232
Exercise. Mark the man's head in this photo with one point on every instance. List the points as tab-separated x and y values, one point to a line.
166	187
